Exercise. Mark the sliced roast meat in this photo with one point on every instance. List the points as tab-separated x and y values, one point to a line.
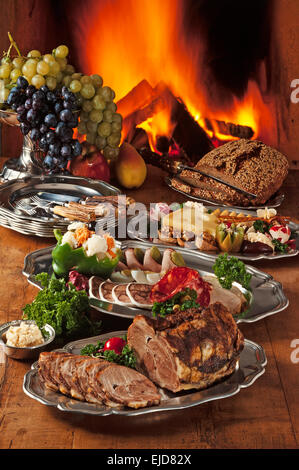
49	369
120	296
139	294
94	392
232	299
66	372
96	380
128	387
191	349
150	350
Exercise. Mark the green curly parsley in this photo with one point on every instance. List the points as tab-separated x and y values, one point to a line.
261	226
125	358
184	299
229	270
61	306
281	247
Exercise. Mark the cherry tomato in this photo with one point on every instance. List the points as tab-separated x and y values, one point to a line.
115	344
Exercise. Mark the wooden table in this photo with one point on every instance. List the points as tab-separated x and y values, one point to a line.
265	415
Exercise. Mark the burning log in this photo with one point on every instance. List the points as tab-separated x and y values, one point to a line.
144	102
229	129
137	98
187	132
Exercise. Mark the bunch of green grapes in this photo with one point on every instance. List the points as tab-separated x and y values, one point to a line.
99	120
38	69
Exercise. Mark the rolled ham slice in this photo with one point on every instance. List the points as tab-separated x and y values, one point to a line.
149	264
131	259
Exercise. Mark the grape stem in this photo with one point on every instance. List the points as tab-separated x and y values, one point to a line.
13	44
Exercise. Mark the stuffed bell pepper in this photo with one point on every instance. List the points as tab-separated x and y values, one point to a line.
82	250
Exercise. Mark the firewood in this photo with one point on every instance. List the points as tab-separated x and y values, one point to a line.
187	133
137	98
229	128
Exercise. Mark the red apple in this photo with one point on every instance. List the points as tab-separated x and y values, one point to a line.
91	165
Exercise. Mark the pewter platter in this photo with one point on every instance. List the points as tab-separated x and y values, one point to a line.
142	221
251	366
19	212
275	201
267	297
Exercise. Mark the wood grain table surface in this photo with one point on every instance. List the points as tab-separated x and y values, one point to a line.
263	416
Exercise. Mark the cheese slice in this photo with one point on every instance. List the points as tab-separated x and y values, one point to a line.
191	219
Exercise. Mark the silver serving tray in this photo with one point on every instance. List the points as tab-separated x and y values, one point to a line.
143	219
267	297
251	366
275	201
62	188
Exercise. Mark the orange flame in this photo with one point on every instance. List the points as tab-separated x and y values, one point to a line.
132	40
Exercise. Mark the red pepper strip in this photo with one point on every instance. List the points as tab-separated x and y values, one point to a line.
178	279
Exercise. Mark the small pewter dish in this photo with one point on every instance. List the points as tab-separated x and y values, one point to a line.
24	353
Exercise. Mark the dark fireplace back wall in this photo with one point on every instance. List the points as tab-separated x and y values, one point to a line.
256	39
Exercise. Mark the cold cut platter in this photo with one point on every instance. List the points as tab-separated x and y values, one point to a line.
248	235
265	297
251	365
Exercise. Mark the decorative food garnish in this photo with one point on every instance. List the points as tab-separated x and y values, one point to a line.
229	270
61	306
82	250
180	302
280	233
79	281
115	344
229	237
177	280
113	350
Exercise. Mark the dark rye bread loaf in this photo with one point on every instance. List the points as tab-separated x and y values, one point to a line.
248	164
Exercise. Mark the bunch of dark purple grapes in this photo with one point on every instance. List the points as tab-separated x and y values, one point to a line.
49	117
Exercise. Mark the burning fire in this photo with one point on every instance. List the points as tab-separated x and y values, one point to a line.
128	41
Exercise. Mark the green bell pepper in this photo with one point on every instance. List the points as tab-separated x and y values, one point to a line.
65	258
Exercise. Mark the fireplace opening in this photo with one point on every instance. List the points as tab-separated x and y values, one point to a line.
186	73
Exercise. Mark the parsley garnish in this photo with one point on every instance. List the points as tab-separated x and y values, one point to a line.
185	299
62	307
229	270
125	358
282	247
261	226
